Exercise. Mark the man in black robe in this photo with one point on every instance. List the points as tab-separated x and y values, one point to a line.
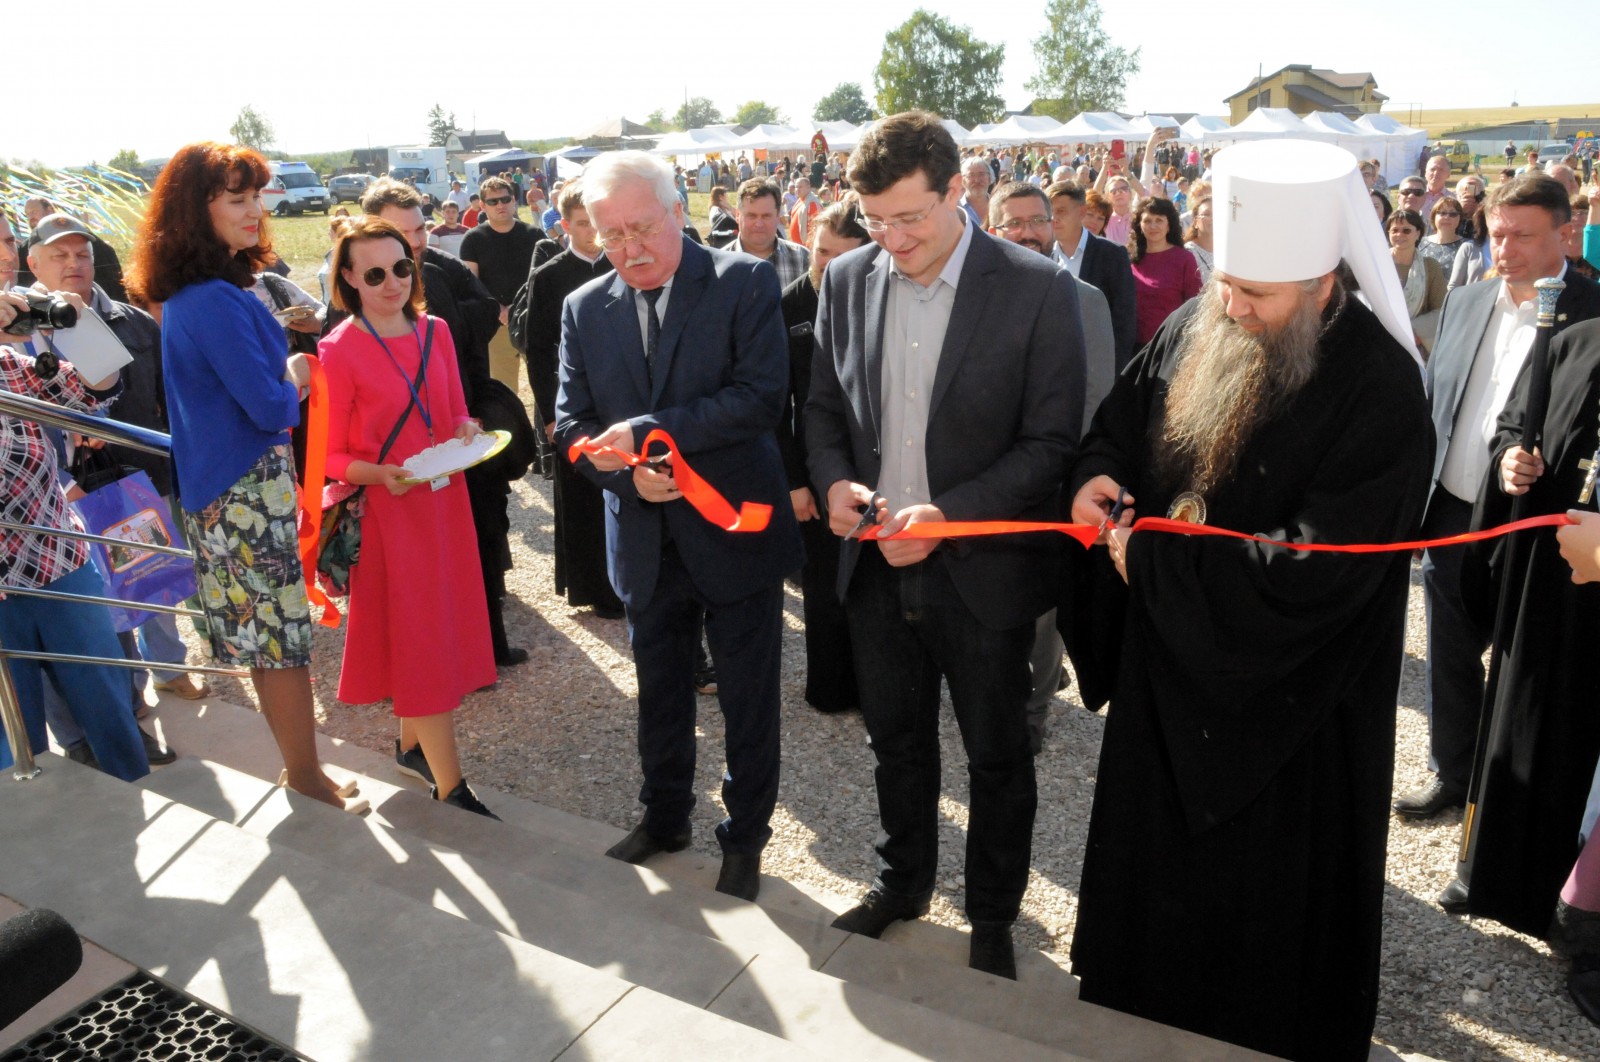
1544	733
1233	881
580	546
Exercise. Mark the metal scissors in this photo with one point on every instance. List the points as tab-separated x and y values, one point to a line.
869	518
1116	511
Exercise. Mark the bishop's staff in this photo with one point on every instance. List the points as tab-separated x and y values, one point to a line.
1548	290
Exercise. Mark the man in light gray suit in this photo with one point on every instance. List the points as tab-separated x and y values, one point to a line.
948	384
1020	213
1485	333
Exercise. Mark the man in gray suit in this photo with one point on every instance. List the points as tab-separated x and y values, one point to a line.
1485	333
947	385
1020	213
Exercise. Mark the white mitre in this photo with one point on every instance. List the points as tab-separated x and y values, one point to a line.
1289	210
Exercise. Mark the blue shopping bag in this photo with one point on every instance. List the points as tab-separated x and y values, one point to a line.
131	510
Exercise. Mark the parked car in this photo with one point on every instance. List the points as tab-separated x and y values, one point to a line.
349	187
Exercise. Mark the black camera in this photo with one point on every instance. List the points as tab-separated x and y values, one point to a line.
43	311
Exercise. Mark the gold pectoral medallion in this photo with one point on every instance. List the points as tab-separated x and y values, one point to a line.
1188	508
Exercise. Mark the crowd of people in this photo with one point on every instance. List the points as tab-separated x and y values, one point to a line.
873	346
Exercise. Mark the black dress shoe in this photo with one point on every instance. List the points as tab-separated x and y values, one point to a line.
641	844
1584	987
991	951
741	874
1574	932
878	910
1431	799
158	756
511	657
1454	897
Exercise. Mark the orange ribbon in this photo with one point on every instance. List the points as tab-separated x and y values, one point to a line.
752	516
310	527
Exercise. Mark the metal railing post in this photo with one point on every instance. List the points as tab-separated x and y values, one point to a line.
23	768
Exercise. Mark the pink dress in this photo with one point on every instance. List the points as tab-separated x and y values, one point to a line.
418	631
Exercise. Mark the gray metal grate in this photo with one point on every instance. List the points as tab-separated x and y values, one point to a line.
142	1020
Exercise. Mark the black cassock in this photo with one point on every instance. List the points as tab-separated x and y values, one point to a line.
580	546
1544	732
1233	880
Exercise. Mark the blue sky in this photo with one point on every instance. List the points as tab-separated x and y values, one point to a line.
158	74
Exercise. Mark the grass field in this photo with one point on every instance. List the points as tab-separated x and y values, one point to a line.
1442	121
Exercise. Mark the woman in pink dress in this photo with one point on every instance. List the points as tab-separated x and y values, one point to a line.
1165	274
418	632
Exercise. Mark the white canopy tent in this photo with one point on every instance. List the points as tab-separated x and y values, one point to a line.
1401	145
1096	127
695	142
1149	123
1360	141
962	137
841	136
1020	129
480	167
774	138
1271	123
1204	130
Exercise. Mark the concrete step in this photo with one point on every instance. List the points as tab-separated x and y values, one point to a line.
331	963
789	927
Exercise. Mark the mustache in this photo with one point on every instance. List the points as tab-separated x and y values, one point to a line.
642	260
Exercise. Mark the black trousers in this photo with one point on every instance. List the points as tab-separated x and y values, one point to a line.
746	639
830	662
910	628
1455	676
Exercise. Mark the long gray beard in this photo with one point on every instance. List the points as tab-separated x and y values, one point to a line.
1227	383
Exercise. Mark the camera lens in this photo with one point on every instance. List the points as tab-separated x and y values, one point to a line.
59	313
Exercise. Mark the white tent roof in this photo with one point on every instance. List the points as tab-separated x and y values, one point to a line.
695	142
1096	127
1266	123
1401	144
1203	129
1382	123
962	136
775	138
1149	123
842	136
1020	129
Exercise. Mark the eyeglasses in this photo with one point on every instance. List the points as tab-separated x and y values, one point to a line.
498	200
618	241
1411	191
901	223
1016	225
377	274
1448	214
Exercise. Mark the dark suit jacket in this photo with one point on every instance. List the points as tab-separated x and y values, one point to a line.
1462	324
1105	265
1003	423
718	385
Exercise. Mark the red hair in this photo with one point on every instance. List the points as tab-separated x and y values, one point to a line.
177	244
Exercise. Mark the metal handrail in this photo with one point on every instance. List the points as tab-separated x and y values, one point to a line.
112	431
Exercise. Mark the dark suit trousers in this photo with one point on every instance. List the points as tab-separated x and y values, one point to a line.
910	627
1455	677
830	663
746	647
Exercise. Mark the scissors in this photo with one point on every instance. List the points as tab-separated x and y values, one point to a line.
869	517
1116	511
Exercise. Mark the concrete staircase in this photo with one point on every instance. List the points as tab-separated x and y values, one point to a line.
423	932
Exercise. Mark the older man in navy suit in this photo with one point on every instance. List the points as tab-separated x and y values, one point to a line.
690	341
947	385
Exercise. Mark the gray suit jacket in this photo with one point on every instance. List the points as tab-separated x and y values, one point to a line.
1463	320
1100	349
1003	421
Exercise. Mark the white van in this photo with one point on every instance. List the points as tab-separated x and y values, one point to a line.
302	188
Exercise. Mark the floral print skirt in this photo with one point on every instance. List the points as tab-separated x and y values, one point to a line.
252	583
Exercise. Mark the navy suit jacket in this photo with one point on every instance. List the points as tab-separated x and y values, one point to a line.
1462	323
1106	266
718	387
1003	421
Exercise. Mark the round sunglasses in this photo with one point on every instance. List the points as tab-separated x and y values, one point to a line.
377	274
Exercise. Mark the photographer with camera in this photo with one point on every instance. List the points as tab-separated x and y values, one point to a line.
97	695
62	257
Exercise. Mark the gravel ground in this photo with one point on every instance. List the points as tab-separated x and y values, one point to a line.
560	730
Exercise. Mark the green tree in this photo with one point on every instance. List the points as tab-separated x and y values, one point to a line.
251	129
657	119
440	127
1079	68
757	112
697	113
846	103
126	160
930	62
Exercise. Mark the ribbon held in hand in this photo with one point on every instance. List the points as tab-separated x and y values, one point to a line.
752	516
310	523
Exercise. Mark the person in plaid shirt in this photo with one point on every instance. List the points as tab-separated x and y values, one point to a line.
31	494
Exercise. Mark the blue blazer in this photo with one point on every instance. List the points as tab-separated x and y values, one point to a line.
718	388
1008	396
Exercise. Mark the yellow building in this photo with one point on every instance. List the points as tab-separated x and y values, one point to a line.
1303	89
